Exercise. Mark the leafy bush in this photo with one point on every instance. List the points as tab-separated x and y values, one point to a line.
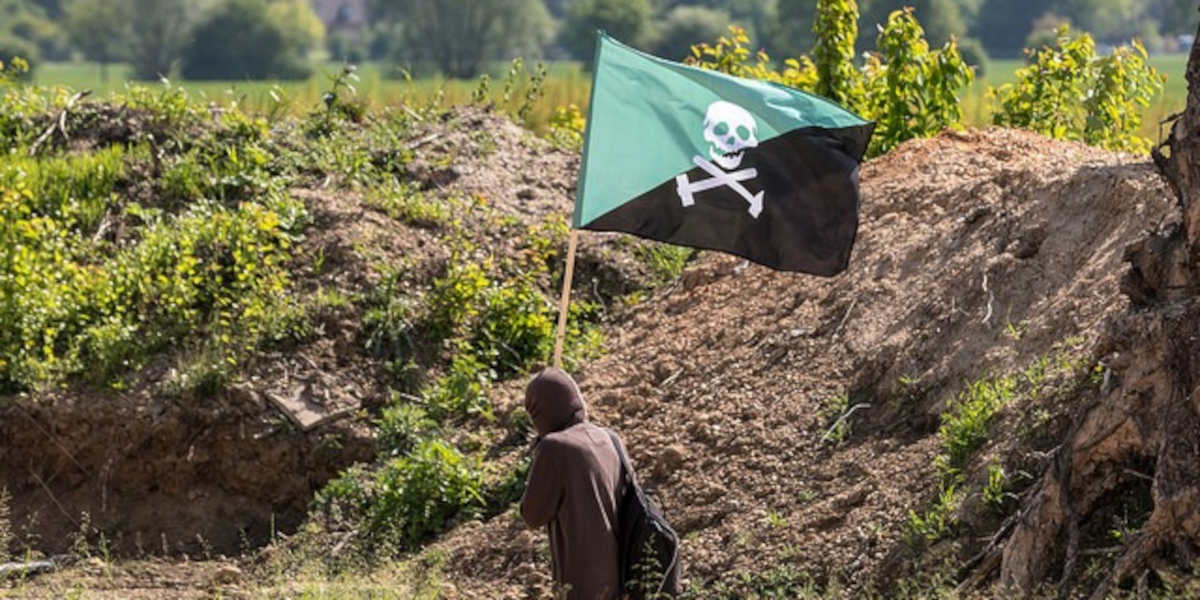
13	47
912	91
515	326
214	272
836	31
417	495
1069	92
401	427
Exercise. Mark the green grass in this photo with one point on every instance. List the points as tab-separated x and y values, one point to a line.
566	84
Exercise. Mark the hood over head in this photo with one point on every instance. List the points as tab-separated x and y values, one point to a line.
554	402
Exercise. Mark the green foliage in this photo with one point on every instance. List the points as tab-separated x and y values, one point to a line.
248	39
20	59
462	392
835	416
836	31
81	307
665	262
965	422
406	202
417	495
731	54
1069	92
567	127
937	522
625	20
683	25
402	426
995	492
469	32
514	327
912	91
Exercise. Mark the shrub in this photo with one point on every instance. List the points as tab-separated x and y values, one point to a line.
401	427
1068	92
912	91
515	327
417	495
242	40
836	31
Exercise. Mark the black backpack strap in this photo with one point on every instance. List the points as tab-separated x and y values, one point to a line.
625	466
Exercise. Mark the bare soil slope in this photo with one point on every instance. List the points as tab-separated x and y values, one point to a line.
978	253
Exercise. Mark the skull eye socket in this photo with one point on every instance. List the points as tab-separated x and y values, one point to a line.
743	132
721	129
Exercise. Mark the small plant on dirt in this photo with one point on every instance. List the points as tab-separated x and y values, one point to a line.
567	127
935	523
995	492
462	392
665	262
1068	92
337	106
965	423
836	418
405	202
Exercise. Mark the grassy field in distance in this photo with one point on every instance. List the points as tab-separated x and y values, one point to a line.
566	84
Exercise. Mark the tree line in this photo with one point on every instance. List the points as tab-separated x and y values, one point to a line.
249	39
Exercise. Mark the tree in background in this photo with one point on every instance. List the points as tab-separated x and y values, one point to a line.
29	22
684	26
303	30
248	39
625	20
459	37
158	32
99	29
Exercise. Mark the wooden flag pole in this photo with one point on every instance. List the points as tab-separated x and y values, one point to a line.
564	305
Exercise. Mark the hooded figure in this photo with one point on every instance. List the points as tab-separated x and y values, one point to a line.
574	484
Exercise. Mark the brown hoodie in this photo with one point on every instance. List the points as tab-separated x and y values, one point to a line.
573	486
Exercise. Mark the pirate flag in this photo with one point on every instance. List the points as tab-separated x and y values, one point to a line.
703	159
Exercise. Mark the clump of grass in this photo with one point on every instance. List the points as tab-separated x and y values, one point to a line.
664	262
405	202
965	423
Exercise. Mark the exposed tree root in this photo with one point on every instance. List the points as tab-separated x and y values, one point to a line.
1150	416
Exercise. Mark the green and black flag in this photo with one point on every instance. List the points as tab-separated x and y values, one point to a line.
699	158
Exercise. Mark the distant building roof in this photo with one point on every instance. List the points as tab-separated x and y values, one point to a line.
342	14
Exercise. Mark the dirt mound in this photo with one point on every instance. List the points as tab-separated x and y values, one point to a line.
158	473
979	252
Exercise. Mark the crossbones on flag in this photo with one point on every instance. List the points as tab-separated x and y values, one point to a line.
703	159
